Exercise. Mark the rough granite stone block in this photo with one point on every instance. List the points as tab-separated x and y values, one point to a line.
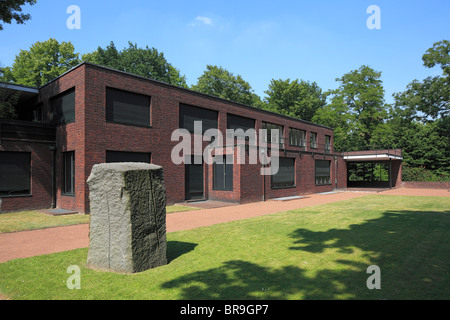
128	217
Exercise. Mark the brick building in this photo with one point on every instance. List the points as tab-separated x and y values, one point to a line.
93	114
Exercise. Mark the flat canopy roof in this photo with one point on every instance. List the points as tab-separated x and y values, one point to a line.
373	157
25	92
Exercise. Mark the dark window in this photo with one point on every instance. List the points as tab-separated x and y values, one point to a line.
323	176
272	138
297	138
63	107
15	173
286	174
222	173
327	144
127	107
190	114
237	122
38	113
118	156
313	140
68	179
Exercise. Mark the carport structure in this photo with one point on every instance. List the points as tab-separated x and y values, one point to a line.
374	168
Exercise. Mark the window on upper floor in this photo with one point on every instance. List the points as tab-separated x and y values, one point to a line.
190	114
297	138
63	107
314	144
271	137
127	108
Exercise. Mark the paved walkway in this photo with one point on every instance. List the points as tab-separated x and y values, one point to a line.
45	241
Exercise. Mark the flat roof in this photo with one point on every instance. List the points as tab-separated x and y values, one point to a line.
373	157
25	92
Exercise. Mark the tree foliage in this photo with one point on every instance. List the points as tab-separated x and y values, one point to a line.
219	82
145	62
12	10
299	99
356	109
43	62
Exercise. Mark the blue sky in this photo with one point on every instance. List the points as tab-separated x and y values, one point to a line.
259	40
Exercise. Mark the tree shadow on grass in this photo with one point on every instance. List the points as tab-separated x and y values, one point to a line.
410	247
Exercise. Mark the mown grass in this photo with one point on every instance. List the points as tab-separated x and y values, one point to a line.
32	220
320	252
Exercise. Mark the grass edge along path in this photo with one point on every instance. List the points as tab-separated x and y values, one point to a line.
34	220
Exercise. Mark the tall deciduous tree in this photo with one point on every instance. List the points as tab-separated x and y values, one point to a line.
12	10
356	108
299	99
43	62
219	82
431	96
145	62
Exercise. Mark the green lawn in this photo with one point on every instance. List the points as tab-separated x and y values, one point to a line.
320	252
31	220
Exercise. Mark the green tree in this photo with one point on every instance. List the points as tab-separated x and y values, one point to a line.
8	102
11	10
219	82
43	62
430	97
299	99
356	109
145	62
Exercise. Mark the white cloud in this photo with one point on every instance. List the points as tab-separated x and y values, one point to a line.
199	20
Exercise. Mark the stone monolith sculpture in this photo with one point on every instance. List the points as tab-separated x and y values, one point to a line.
128	217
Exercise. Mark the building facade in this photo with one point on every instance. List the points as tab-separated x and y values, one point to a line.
93	114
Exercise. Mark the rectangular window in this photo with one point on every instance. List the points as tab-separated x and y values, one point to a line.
285	177
68	179
314	140
323	176
297	138
63	107
327	144
38	113
222	173
237	122
271	137
191	114
15	174
119	156
127	108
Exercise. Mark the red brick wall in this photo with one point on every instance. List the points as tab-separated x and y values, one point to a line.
426	185
91	136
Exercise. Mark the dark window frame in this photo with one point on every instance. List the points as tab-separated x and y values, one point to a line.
109	107
212	118
314	140
297	141
112	153
226	171
322	179
327	144
58	117
284	185
68	178
273	126
26	192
